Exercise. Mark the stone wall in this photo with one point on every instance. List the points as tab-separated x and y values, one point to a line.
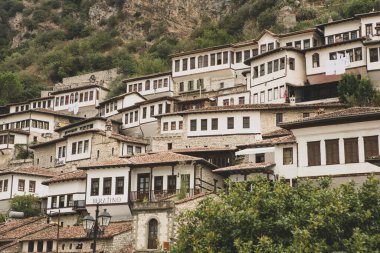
105	77
45	156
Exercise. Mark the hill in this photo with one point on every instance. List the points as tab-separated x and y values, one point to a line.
43	41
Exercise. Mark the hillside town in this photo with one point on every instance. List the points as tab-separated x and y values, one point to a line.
266	107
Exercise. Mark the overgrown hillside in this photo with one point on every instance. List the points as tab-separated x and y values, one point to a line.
43	41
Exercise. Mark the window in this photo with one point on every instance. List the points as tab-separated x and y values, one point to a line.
193	125
260	158
159	109
21	185
332	151
94	186
166	126
190	85
270	95
200	61
144	112
192	63
147	85
279	118
219	58
255	72
306	44
289	44
181	87
247	54
73	148
155	84
354	35
371	146
137	115
173	125
292	64
368	30
287	156
119	187
346	36
140	86
129	150
40	246
275	65
270	46
5	185
262	69
255	52
49	246
184	64
151	110
205	61
172	184
31	246
330	39
305	115
238	57
262	97
1	185
32	186
107	184
373	54
358	54
282	63
62	201
314	153
212	56
214	124
203	124
80	147
54	202
138	150
176	64
245	122
91	96
241	100
351	152
297	44
230	123
263	48
315	60
270	67
70	200
180	125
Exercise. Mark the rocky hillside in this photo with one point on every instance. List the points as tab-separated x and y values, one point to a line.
42	41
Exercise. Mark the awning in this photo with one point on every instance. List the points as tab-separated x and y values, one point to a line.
252	151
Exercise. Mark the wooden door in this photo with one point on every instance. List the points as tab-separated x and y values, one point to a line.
143	181
152	236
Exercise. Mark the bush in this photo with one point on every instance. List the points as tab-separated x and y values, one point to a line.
29	204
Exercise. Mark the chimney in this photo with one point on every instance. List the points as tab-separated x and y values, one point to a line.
108	128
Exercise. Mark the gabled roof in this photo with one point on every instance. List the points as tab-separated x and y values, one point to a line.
353	114
276	133
23	230
146	102
69	176
245	168
30	170
11	225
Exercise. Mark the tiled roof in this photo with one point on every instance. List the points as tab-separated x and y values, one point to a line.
352	114
276	133
288	139
136	78
202	149
86	120
74	175
19	232
120	97
84	87
30	170
77	232
259	107
45	111
42	144
126	138
109	163
194	197
245	167
11	225
162	157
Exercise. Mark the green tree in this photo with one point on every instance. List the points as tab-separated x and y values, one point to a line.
10	87
29	204
275	217
357	92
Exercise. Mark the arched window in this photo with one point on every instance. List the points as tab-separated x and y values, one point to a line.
315	60
152	234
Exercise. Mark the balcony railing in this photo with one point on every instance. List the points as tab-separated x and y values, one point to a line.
155	196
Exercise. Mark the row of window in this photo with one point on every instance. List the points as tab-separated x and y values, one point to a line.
59	201
40	246
21	185
231	101
26	123
215	123
7	139
39	104
131	117
138	149
157	84
273	94
110	107
342	37
173	125
191	86
4	185
298	44
354	54
273	66
351	150
74	97
107	186
79	147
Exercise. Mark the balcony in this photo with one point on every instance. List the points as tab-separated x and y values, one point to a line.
157	196
79	205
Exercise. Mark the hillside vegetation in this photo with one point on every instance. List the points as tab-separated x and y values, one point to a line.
43	41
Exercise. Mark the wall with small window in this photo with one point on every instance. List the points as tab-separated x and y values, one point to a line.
25	184
66	196
234	99
150	86
373	57
286	160
131	149
172	124
370	25
219	123
36	122
335	32
301	41
38	246
78	147
5	187
19	108
8	140
342	150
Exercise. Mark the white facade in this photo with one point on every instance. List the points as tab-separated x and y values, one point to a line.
151	85
8	139
234	99
110	107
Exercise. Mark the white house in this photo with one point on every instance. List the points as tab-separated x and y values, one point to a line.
110	107
22	181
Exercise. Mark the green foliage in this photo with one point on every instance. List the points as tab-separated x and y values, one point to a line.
183	190
274	217
23	152
357	92
2	218
29	204
10	87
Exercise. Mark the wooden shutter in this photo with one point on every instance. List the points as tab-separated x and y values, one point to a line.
332	152
314	153
371	146
351	152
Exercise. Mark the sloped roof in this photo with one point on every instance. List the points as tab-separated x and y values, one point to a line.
30	170
244	168
69	176
11	225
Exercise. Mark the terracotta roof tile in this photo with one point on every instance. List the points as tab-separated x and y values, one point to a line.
45	111
22	231
276	133
126	138
18	223
194	197
202	149
245	167
353	113
30	170
73	175
108	163
162	157
288	139
76	232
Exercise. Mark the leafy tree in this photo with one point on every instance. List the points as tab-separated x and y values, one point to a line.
10	87
29	204
357	92
275	217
